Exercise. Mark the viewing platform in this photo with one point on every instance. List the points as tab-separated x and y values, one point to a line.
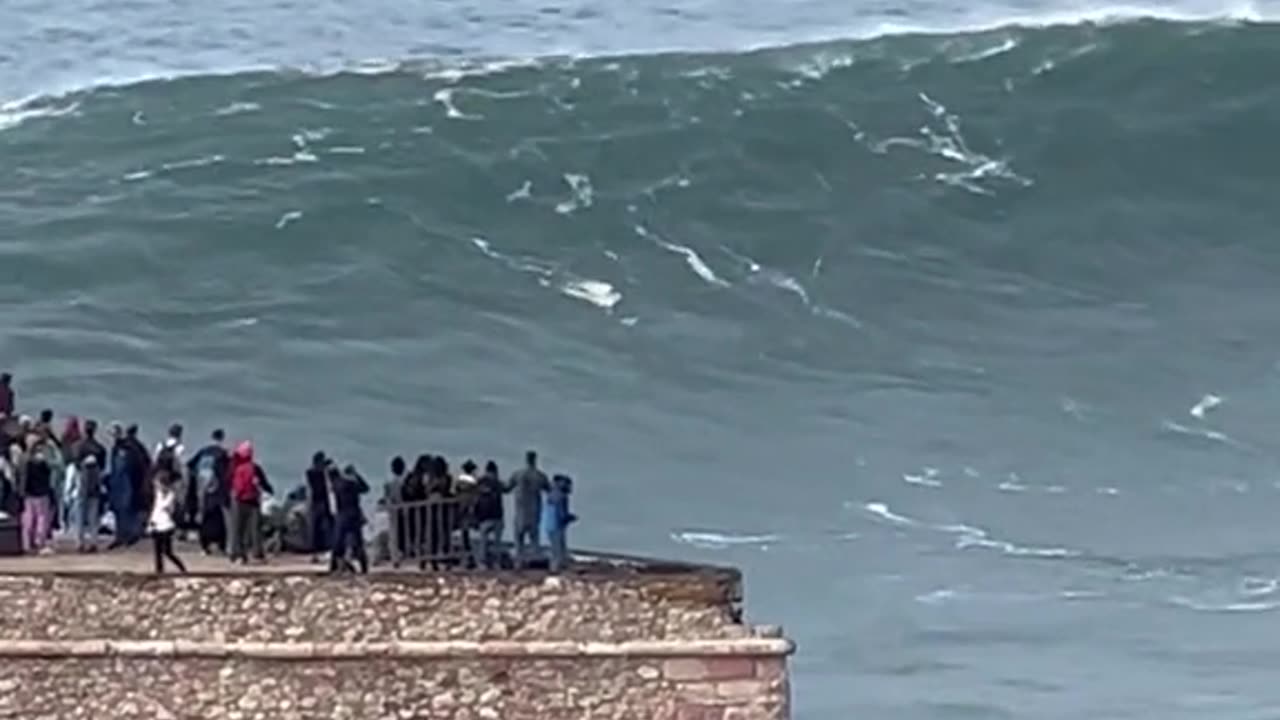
102	636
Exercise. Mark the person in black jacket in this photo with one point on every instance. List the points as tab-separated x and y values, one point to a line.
209	471
489	516
319	512
348	487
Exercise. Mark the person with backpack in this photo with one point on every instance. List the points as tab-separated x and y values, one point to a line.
209	471
171	453
248	483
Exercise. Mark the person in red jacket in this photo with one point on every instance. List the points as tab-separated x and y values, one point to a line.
248	482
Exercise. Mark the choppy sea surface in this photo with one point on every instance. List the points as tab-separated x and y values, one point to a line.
953	324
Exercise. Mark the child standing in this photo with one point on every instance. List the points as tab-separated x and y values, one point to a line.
162	524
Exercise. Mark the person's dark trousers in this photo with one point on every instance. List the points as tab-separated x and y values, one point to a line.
348	536
163	544
526	543
321	522
488	540
246	526
213	529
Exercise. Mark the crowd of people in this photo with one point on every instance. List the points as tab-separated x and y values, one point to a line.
68	480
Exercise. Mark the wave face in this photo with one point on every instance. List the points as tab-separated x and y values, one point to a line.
963	345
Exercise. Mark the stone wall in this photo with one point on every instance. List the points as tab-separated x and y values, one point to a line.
407	688
410	646
401	606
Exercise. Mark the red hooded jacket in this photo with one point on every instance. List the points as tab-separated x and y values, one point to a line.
244	477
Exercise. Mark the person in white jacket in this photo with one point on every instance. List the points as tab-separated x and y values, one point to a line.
161	524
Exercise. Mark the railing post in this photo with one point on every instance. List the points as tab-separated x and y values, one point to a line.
393	531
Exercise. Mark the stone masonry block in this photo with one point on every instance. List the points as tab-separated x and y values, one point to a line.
709	668
699	712
771	668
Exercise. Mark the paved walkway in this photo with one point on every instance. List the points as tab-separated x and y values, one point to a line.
139	560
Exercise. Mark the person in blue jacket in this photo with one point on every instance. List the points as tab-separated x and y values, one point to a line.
557	520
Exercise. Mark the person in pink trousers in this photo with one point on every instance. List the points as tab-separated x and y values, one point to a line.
36	488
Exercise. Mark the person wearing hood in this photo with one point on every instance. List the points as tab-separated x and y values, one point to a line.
36	488
209	474
248	483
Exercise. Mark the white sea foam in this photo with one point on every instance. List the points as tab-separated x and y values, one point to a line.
17	112
582	194
691	258
237	108
1206	403
1005	45
1206	433
927	478
967	536
882	511
524	192
1012	484
977	19
444	96
174	166
721	541
597	292
977	171
288	218
1243	606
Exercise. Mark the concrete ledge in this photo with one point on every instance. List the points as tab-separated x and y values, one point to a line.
450	650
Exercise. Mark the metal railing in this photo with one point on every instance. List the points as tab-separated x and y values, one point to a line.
432	532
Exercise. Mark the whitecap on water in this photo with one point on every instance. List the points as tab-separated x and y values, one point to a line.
444	96
882	511
582	194
968	536
17	112
597	292
721	541
1207	403
237	108
523	192
287	218
1012	484
928	478
1251	606
691	258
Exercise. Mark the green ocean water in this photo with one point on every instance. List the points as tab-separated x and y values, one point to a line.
964	346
